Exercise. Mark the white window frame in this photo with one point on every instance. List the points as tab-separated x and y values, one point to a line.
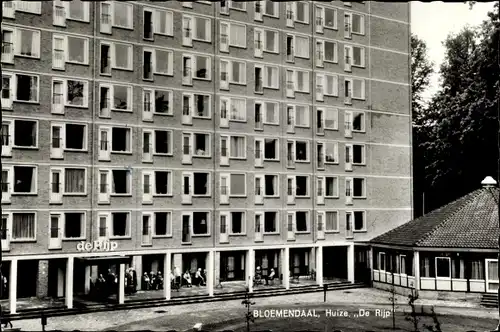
230	64
244	9
380	267
113	55
170	184
363	55
277	111
336	186
296	81
153	224
363	121
209	183
83	225
335	18
17	46
277	149
63	179
130	14
362	23
265	77
307	116
110	139
277	222
363	154
276	41
241	112
208	27
228	177
128	226
229	216
335	53
169	24
354	230
208	153
337	221
295	11
153	51
308	222
331	110
276	9
66	48
191	223
64	82
308	189
13	130
112	97
294	150
363	88
10	225
129	180
35	181
194	66
335	92
170	143
335	149
436	267
228	137
193	113
263	183
13	82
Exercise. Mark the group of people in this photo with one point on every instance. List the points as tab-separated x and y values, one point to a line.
258	276
103	287
152	281
199	278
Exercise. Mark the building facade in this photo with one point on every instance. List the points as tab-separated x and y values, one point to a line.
210	135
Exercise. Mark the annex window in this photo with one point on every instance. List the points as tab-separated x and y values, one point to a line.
162	141
121	182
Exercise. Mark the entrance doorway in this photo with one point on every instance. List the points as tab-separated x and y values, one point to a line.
232	265
492	281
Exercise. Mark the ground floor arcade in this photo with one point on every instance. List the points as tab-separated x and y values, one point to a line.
434	270
72	277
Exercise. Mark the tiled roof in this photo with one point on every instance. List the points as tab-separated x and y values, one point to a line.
469	222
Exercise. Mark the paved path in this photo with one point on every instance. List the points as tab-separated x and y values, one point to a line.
192	313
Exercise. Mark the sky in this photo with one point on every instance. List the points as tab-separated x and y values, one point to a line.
434	21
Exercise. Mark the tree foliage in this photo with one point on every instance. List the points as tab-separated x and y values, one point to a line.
421	70
456	139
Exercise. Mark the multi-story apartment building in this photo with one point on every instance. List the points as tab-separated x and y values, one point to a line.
222	135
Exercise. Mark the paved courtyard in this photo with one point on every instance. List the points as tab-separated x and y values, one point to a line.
182	317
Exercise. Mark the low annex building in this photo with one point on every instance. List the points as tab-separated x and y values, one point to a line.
451	249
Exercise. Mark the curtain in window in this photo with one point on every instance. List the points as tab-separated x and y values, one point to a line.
331	84
301	115
238	184
271	112
202	28
302	46
477	270
357	88
237	35
238	107
356	54
301	81
163	22
493	270
23	226
74	181
237	147
270	8
163	61
76	10
330	118
57	94
26	40
270	40
356	23
331	221
120	17
426	268
271	76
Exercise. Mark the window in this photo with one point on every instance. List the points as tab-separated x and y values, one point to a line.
302	81
201	145
358	56
331	221
121	140
163	142
120	224
443	267
163	183
302	47
271	41
201	184
238	223
357	23
302	186
24	226
381	261
123	15
237	72
159	22
271	77
70	49
272	113
359	221
237	185
237	147
237	34
25	133
238	110
27	88
159	62
163	224
74	225
163	102
331	85
271	146
354	88
358	154
331	152
331	186
202	106
121	182
302	116
121	98
202	29
301	150
71	93
302	221
34	7
238	5
331	118
271	9
270	222
201	67
25	180
7	44
271	188
75	180
330	51
200	223
122	56
358	123
27	43
358	187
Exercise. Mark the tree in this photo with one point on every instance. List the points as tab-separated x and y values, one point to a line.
421	71
456	139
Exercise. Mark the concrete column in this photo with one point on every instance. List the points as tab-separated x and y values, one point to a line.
250	269
416	269
286	267
167	271
210	273
137	265
13	286
87	279
217	268
319	265
60	282
350	262
370	261
42	281
69	282
121	284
